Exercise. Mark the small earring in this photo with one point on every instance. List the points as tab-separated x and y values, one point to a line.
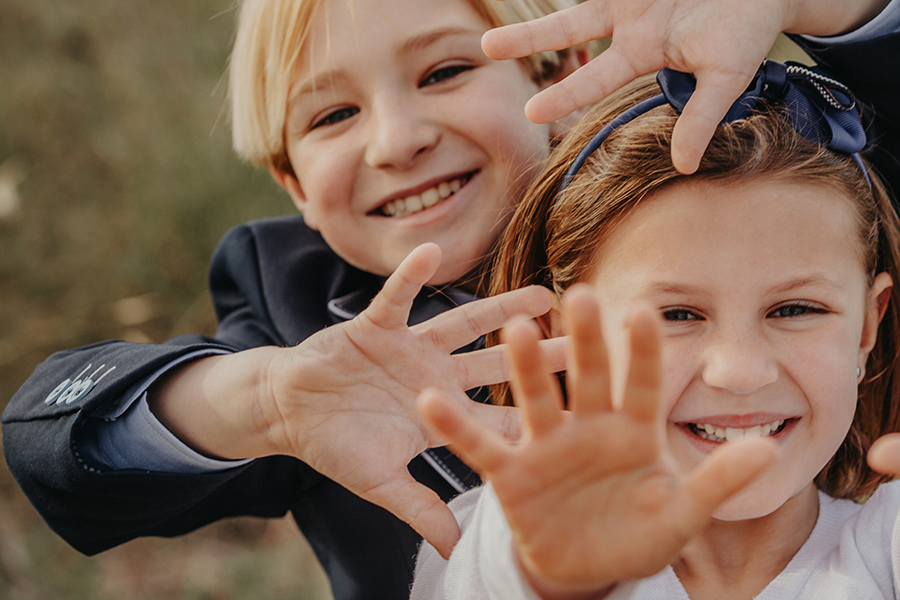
858	371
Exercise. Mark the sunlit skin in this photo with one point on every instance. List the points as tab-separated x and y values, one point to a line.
766	312
391	100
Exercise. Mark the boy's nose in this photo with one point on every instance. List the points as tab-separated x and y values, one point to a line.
398	136
740	364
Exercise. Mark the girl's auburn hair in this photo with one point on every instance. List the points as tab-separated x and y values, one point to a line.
553	240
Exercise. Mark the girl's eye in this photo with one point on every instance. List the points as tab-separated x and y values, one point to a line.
443	74
680	314
787	311
336	116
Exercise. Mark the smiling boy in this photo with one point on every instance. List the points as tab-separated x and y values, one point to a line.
389	128
418	140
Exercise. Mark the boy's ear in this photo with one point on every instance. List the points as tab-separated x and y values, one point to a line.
575	60
879	297
295	191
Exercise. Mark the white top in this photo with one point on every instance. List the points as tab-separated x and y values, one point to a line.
853	552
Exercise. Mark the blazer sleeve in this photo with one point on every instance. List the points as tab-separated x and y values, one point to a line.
95	510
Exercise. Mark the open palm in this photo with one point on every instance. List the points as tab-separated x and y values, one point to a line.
343	401
590	494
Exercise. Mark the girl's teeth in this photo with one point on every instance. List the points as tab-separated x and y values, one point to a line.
731	434
413	204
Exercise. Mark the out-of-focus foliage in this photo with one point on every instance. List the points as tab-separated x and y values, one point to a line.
116	181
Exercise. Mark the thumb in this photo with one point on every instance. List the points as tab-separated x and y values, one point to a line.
420	507
884	455
723	474
390	307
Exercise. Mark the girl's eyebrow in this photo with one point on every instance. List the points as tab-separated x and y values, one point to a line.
801	282
666	287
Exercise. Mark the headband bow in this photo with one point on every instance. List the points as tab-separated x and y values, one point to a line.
821	109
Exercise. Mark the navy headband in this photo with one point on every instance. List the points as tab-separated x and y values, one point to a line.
820	109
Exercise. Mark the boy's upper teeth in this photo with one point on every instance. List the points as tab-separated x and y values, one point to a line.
413	204
733	434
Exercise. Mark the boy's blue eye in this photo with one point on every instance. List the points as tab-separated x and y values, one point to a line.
337	116
680	314
795	310
443	74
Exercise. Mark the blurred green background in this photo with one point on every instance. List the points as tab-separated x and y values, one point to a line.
116	181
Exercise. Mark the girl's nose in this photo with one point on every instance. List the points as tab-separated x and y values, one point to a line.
399	135
740	364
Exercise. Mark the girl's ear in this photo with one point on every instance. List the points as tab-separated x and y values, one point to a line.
576	59
295	191
879	296
551	322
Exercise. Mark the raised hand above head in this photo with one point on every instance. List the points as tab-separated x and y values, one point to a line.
722	42
590	493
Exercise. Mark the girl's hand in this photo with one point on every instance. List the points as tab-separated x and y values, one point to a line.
590	495
884	455
721	41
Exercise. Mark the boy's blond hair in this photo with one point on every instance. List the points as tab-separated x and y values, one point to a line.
270	37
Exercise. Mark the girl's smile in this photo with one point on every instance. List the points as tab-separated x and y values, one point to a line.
765	319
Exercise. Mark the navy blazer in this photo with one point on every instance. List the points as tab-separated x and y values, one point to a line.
275	283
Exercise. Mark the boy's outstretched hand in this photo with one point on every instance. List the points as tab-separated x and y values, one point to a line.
722	42
364	429
591	495
344	400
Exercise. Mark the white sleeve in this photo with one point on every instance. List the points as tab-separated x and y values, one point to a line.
482	566
886	23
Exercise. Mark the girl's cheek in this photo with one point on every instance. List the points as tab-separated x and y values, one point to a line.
679	369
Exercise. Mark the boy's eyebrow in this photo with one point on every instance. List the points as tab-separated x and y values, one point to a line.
311	85
416	43
422	41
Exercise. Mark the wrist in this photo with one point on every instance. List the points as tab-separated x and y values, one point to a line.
213	405
552	590
828	18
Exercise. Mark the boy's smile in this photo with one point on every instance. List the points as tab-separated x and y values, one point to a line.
767	311
401	131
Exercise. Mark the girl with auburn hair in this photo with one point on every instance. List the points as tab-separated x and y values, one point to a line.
734	349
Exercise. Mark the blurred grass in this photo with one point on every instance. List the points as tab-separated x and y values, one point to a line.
116	181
